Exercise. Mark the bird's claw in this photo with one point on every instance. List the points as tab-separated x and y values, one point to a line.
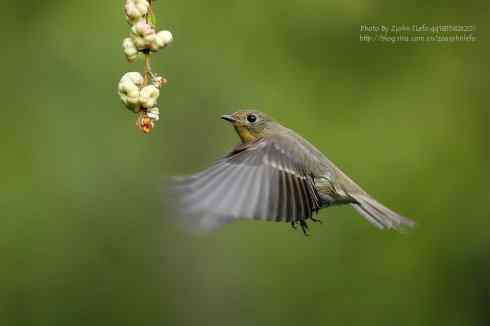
316	220
304	227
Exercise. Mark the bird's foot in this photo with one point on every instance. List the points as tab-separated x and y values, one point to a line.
304	227
316	220
293	224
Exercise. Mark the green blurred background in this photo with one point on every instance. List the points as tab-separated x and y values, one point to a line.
83	235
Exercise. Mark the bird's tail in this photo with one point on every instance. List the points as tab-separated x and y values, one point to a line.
379	215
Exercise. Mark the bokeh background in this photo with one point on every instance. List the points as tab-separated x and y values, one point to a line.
84	239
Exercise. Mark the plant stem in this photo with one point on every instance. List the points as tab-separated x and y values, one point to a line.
147	70
147	67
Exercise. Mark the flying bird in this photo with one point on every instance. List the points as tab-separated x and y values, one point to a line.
273	174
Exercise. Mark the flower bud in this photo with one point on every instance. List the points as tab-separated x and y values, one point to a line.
162	39
166	37
144	122
129	90
136	10
149	96
130	49
153	114
143	35
158	81
134	78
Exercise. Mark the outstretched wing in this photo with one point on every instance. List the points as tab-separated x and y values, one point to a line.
260	180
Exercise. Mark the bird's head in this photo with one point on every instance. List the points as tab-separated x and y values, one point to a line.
250	125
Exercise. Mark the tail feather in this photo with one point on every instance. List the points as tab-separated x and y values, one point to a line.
379	215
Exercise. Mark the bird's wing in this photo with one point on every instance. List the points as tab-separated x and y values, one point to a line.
260	180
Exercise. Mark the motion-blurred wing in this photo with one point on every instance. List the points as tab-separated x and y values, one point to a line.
256	181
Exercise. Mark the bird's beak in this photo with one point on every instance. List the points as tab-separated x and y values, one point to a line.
228	118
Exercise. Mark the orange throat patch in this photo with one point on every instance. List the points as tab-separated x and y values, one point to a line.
244	134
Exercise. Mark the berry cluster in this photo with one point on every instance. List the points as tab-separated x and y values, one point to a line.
139	93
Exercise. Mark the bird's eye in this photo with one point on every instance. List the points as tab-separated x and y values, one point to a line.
251	118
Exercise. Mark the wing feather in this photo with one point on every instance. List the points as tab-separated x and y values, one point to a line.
261	180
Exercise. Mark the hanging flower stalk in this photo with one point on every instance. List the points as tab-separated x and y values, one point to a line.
140	93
